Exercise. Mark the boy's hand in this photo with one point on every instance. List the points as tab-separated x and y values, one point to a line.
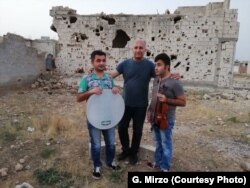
115	90
96	90
161	97
175	76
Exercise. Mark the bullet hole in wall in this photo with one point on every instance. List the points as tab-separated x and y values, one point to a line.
148	53
177	64
111	21
72	19
121	39
204	30
53	28
177	19
83	36
78	37
173	57
79	70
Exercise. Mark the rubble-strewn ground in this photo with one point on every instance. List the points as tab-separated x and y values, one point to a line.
43	129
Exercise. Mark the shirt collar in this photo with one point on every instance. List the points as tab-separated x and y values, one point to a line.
95	77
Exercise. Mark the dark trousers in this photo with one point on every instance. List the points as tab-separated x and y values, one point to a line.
137	114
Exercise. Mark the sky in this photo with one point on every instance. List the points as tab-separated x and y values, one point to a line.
31	19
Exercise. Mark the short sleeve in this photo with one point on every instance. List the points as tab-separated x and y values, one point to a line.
178	89
153	70
120	67
83	86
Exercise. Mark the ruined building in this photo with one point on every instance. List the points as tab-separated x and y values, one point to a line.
22	60
200	40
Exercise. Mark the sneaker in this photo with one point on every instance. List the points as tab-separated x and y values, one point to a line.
123	155
97	173
133	159
153	166
114	166
164	170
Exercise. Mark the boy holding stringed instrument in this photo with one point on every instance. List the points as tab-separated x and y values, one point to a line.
166	95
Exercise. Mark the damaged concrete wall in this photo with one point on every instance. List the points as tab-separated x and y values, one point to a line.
19	64
200	40
45	45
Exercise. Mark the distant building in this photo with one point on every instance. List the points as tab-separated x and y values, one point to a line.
242	67
45	38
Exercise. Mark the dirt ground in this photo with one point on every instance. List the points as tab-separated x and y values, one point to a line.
41	131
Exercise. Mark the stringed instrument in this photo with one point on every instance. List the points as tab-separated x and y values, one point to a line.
160	118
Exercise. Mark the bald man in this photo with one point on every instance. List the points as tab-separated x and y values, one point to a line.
137	72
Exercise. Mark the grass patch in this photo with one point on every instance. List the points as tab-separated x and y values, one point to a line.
47	152
233	120
53	177
9	136
52	124
201	111
244	118
10	130
8	133
116	177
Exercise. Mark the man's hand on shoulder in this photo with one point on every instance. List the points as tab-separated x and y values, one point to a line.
175	76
